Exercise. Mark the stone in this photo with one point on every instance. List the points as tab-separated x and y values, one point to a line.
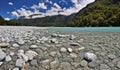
70	50
8	58
81	48
65	66
53	53
1	63
75	44
75	64
45	63
76	50
4	45
11	53
111	56
20	41
31	54
33	46
63	49
71	37
23	56
118	64
2	54
104	67
54	40
16	69
90	56
84	63
34	62
54	64
54	35
80	41
15	45
20	62
73	55
20	51
93	64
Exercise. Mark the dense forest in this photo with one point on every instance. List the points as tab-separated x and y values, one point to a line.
4	22
99	13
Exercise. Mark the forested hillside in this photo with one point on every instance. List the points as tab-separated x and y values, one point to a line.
99	13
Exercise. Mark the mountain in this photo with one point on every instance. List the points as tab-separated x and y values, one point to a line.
4	22
57	20
99	13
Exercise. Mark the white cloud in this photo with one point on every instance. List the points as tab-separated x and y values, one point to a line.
7	19
10	3
42	5
55	10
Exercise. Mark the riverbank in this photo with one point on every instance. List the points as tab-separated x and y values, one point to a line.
36	48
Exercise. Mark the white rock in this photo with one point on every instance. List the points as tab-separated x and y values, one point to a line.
12	53
70	50
1	63
16	69
15	45
20	51
90	56
21	41
31	54
8	58
2	55
54	40
63	49
81	48
20	63
33	46
23	56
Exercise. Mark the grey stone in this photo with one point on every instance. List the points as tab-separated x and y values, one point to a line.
75	44
8	58
15	45
73	55
90	56
1	63
16	69
2	55
118	64
63	49
93	64
31	54
104	67
20	62
111	56
20	41
34	62
84	63
33	46
65	66
54	64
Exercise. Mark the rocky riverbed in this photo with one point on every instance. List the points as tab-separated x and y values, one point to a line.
35	48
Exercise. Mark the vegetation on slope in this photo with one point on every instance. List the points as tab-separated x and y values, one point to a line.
99	13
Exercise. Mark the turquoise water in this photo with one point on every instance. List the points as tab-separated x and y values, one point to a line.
105	29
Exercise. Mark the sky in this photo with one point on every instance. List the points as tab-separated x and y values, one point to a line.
10	9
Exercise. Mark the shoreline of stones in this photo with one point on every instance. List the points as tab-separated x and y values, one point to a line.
44	49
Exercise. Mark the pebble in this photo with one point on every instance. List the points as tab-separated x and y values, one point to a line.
1	63
118	64
33	46
76	50
54	64
65	66
4	45
2	55
45	63
70	50
93	64
90	56
15	45
20	62
81	48
16	69
84	63
54	40
53	53
63	49
111	56
75	44
31	54
104	67
21	41
73	55
8	58
34	62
